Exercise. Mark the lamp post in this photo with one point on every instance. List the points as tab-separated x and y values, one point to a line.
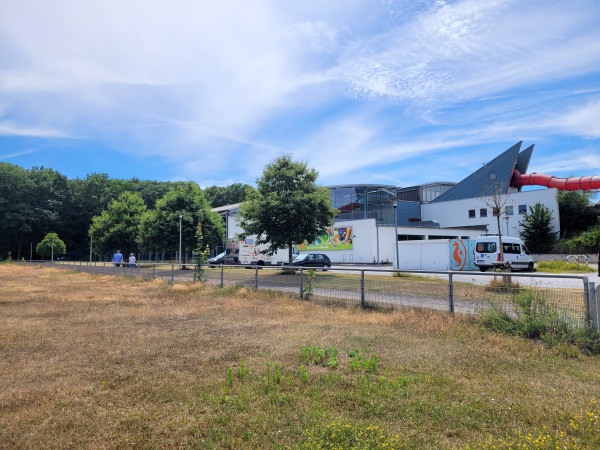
395	203
180	217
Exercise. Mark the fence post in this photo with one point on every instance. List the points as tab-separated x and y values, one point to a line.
586	301
256	277
594	306
362	289
222	276
172	273
301	283
154	270
450	293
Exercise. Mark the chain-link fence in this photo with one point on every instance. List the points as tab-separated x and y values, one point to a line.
572	299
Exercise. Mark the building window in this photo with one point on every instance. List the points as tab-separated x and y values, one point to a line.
471	214
410	237
508	210
522	209
483	212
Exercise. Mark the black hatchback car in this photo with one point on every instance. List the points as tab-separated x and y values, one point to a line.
312	260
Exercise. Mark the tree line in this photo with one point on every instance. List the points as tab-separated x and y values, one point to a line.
97	215
132	215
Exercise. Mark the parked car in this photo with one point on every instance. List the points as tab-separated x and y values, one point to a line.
222	258
312	260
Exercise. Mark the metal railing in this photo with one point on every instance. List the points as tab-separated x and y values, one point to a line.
572	297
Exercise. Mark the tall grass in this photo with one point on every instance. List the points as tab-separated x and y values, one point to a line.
532	316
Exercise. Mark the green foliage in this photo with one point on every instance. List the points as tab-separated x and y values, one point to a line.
358	362
576	212
536	229
586	242
288	207
226	195
201	253
51	245
117	227
321	356
159	228
309	286
533	317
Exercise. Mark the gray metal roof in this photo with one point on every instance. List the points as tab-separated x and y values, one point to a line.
493	178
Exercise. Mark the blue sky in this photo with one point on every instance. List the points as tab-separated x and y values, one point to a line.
374	91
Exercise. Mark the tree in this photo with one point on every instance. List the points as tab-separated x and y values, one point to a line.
118	226
159	228
287	207
226	195
576	212
17	214
497	200
51	246
536	231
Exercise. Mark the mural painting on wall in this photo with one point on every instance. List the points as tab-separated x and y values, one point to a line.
461	254
334	238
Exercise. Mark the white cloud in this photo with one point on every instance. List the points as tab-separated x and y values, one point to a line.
583	120
223	87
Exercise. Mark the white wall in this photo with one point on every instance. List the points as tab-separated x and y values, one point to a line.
423	255
456	213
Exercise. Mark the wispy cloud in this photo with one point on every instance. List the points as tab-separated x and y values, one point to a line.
216	90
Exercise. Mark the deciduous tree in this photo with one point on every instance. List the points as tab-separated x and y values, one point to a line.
51	246
287	207
118	226
159	228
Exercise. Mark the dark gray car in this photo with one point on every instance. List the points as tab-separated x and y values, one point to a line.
312	260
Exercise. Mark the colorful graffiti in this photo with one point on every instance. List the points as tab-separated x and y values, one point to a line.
334	238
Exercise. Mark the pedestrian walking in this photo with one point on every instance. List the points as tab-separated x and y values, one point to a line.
117	258
131	260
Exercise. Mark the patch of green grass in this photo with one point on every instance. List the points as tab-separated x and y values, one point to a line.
563	267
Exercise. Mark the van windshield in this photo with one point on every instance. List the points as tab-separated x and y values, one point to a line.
486	247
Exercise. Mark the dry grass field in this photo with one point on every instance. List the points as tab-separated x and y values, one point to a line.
93	361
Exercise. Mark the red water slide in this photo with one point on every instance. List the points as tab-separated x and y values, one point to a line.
563	184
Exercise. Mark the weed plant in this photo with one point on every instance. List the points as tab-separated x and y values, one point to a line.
531	316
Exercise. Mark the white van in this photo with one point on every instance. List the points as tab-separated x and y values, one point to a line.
487	252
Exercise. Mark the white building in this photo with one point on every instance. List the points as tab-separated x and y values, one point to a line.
373	219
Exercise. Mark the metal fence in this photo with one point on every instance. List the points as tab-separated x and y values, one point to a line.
571	298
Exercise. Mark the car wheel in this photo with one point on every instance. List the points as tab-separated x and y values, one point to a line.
530	267
325	267
483	269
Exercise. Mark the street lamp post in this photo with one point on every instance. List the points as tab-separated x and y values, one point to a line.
180	260
396	233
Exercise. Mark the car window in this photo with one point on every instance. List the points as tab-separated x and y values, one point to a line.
486	247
